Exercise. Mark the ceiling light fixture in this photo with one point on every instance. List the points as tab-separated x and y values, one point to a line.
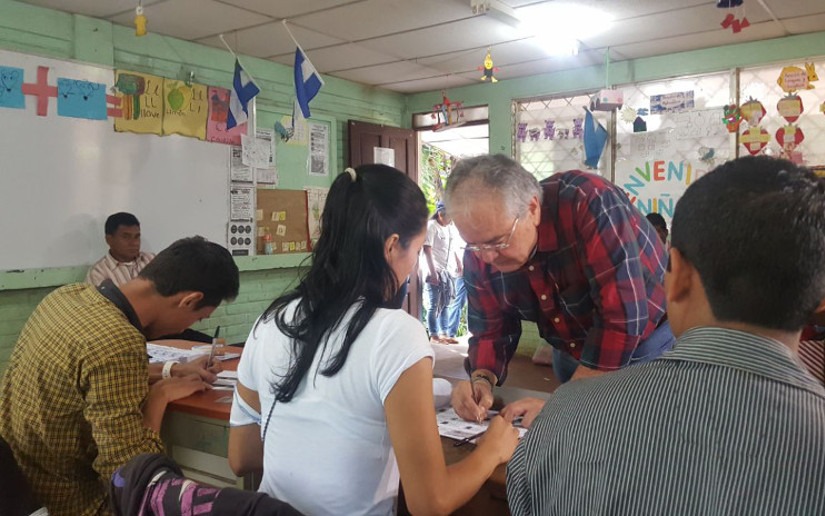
559	27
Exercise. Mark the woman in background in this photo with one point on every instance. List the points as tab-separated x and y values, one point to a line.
334	396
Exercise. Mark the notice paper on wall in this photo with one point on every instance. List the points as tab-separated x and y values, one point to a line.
237	170
241	202
318	158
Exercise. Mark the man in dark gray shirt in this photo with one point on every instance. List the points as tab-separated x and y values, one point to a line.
728	422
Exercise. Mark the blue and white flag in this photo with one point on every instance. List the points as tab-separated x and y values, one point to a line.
595	136
243	90
307	81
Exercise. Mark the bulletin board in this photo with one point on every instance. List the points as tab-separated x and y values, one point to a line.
283	213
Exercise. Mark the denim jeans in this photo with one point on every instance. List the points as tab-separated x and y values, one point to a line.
658	342
456	305
435	325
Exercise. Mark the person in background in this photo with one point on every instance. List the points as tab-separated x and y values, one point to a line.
124	260
438	284
335	386
571	254
728	422
76	401
659	224
456	270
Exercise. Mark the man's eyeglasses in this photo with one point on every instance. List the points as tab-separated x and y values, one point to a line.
494	247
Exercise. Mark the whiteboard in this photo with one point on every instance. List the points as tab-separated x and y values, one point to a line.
61	177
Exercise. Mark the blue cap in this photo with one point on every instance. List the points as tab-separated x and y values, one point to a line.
439	206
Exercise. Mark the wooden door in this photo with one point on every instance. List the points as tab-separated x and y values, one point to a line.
363	139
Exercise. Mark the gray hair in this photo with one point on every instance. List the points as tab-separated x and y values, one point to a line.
495	173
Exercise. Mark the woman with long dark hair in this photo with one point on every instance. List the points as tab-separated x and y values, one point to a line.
335	395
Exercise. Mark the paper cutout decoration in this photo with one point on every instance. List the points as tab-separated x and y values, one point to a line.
488	68
794	78
732	118
790	107
185	109
736	25
141	102
755	139
707	155
81	99
41	89
639	125
140	21
628	114
595	136
752	111
448	114
216	122
669	102
789	137
11	88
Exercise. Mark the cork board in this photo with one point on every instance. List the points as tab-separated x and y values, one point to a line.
283	213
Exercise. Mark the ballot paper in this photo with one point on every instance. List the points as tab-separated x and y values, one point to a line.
452	426
158	353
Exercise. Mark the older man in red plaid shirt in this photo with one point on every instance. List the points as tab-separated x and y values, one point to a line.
571	254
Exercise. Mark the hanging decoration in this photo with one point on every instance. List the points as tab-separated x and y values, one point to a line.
790	107
732	118
447	114
752	111
755	139
734	21
789	137
140	20
488	68
794	78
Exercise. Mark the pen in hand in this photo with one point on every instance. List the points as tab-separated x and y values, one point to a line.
214	345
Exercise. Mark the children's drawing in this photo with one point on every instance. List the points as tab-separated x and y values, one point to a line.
81	99
216	122
142	102
186	109
11	91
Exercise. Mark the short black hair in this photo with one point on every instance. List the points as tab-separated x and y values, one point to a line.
754	229
194	264
118	219
657	220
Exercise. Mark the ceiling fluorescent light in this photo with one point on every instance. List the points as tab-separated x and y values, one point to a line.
558	27
498	10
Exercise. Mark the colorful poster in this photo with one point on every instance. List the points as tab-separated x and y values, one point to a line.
11	88
185	109
141	102
216	123
81	99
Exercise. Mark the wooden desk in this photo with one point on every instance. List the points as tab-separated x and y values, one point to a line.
196	433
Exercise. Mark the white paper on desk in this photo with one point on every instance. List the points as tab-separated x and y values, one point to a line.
158	353
228	374
452	426
226	382
226	356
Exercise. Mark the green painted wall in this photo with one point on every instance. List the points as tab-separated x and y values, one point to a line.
34	30
39	31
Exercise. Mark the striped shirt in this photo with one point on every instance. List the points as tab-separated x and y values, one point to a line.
71	397
119	272
812	355
726	423
594	285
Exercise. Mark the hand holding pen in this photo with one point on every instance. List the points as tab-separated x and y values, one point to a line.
214	346
472	399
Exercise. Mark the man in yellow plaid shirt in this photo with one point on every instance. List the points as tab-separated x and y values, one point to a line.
76	401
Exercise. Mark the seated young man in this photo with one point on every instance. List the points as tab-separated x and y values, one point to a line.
728	422
124	260
76	401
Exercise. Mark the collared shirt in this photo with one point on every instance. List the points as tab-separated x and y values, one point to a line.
594	285
71	398
727	422
119	272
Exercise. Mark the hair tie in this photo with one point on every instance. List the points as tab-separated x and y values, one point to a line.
351	172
